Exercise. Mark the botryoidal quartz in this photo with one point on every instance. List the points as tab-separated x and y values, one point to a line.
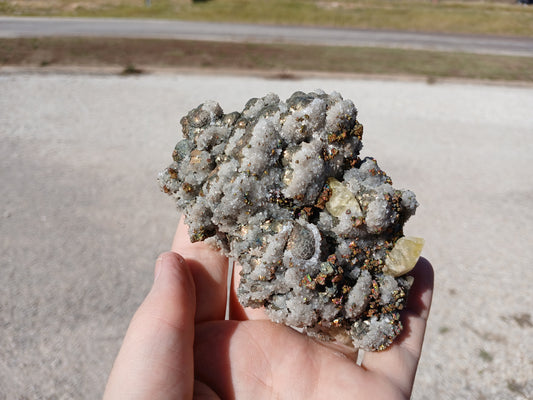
318	231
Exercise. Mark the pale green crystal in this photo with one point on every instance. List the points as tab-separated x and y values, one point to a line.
403	256
341	200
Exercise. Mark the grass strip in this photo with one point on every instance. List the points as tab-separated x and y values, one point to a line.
497	17
282	58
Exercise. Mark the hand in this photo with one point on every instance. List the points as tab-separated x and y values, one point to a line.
178	345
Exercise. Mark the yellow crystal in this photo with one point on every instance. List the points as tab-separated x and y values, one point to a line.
341	199
403	256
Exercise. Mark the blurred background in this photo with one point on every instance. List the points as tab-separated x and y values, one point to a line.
91	94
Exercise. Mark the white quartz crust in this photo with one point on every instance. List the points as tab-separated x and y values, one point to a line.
280	187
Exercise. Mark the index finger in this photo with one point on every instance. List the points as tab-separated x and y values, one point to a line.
209	269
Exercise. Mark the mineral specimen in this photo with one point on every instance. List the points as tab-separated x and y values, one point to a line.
318	231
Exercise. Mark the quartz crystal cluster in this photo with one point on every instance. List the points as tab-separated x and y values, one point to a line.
281	188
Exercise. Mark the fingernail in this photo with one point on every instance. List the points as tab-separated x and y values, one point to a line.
180	258
158	267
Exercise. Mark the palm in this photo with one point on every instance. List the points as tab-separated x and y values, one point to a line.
251	357
258	359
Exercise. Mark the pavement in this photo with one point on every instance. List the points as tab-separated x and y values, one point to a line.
82	219
11	27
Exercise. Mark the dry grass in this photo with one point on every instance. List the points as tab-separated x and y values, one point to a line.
500	17
286	59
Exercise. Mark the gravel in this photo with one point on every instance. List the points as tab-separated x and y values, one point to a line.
82	219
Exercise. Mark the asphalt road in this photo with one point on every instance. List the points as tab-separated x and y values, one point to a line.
141	28
82	218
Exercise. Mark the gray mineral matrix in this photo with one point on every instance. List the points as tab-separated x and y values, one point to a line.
318	231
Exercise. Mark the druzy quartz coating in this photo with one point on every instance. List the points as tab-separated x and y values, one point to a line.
281	188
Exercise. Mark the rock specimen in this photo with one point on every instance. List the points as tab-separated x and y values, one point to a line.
318	231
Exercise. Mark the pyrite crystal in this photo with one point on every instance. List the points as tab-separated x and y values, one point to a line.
318	231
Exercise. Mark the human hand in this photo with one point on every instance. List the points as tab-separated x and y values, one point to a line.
178	345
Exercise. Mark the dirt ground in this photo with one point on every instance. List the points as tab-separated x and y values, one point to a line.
146	54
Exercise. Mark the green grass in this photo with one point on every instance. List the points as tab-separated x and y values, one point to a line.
480	17
283	60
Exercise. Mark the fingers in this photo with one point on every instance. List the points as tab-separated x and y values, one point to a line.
209	270
237	311
399	362
156	358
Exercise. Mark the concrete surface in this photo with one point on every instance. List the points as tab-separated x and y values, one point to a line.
82	219
230	32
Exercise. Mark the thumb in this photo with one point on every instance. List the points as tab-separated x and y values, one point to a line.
156	358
